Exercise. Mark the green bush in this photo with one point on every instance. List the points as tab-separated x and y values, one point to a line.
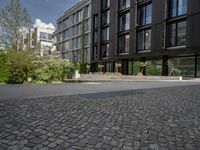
81	67
4	68
51	69
21	66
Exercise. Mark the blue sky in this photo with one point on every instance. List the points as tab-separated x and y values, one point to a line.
46	10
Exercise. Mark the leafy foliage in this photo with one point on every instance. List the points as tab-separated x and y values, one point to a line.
82	68
4	69
51	69
21	65
13	18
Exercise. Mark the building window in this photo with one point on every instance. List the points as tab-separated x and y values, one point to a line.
95	52
177	34
177	8
105	34
95	21
104	50
123	43
87	25
87	39
95	38
144	40
183	66
106	17
198	66
87	11
124	4
66	34
124	22
105	4
65	23
145	15
66	46
153	67
76	43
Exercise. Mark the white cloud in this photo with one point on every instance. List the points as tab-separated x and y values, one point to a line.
39	23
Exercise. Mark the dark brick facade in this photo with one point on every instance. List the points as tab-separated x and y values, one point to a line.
159	32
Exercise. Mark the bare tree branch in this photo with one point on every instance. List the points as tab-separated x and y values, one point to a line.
13	18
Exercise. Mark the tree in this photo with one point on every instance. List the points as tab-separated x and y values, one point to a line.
13	19
21	65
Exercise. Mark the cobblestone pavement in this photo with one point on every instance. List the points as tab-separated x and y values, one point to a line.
157	119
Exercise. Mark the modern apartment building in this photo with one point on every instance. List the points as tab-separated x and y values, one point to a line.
156	37
44	43
73	33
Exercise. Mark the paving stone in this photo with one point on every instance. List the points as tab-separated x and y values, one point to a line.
52	145
161	119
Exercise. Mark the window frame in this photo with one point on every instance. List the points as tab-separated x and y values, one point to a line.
139	17
168	38
144	31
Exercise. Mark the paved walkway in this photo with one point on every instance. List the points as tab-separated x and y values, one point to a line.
23	91
157	119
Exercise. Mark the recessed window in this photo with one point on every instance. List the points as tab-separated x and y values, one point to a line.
66	34
66	46
183	66
105	4
124	22
95	38
123	42
177	34
124	4
95	21
105	34
106	17
104	50
144	40
145	15
95	52
177	8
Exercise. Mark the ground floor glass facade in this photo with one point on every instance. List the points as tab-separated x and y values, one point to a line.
187	66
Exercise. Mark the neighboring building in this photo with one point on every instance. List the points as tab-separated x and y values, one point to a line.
44	41
40	38
28	38
73	33
163	33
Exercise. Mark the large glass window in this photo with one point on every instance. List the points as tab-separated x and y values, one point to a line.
77	43
95	38
124	4
65	23
87	25
87	39
105	34
145	15
87	11
123	43
66	46
66	34
106	17
95	21
177	8
124	22
198	66
177	34
47	36
95	52
104	50
144	40
105	4
154	67
184	66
